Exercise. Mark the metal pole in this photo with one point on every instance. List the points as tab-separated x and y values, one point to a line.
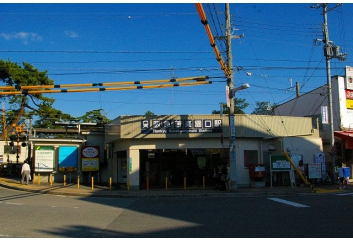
327	53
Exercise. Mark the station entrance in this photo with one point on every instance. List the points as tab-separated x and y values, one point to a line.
172	165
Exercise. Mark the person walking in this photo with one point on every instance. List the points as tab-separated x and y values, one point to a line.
341	175
227	180
25	172
301	169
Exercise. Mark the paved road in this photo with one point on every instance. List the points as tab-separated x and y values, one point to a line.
35	215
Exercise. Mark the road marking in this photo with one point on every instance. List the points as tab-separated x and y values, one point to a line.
344	194
14	203
288	202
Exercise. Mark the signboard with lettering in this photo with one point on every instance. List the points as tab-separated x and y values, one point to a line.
349	78
90	158
279	163
181	126
324	115
314	170
44	159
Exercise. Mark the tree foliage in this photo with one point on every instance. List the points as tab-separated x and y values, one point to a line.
33	106
149	113
239	106
263	108
95	116
23	105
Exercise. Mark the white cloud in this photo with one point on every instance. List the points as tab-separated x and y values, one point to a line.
71	34
25	37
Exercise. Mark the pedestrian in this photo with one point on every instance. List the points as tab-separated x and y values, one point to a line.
341	175
227	180
219	182
214	177
302	172
25	172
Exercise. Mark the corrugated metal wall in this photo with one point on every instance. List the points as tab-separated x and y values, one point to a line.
257	126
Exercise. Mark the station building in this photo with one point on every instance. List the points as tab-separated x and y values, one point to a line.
176	146
166	148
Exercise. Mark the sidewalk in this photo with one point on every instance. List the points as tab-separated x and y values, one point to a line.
121	192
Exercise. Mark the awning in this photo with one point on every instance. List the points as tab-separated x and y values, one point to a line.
344	135
347	136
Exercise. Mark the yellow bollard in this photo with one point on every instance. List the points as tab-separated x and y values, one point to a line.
203	182
166	183
184	182
64	180
78	181
51	179
38	178
92	183
128	184
110	183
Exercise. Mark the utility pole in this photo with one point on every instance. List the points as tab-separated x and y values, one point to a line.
330	51
329	86
232	91
232	156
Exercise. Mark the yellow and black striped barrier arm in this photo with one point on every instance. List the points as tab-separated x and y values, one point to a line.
298	172
109	86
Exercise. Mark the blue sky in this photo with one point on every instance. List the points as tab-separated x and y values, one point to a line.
99	43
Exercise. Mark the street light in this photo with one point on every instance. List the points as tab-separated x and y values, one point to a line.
232	153
234	90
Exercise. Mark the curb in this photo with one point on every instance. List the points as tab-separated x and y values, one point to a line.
263	192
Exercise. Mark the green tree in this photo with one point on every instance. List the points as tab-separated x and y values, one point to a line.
12	74
263	108
95	116
149	113
239	106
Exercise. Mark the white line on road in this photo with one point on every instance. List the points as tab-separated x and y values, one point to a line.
14	203
288	202
344	194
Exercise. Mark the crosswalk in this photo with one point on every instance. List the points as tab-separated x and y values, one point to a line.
294	204
299	205
345	194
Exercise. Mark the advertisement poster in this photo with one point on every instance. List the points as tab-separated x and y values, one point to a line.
44	159
320	158
349	78
68	159
90	158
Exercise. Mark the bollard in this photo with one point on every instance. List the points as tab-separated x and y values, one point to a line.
203	182
51	179
184	182
166	183
92	183
78	181
38	178
128	184
110	183
147	183
64	180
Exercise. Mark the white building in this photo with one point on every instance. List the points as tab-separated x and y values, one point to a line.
315	104
171	147
178	146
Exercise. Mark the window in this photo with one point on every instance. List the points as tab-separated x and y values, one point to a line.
250	157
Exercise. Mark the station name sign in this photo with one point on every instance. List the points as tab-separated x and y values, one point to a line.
181	126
